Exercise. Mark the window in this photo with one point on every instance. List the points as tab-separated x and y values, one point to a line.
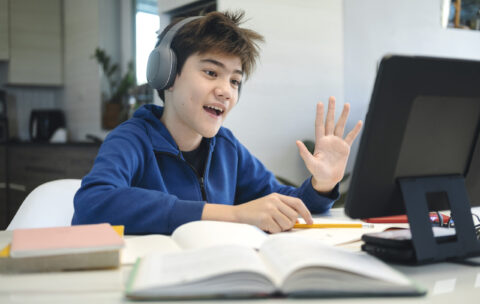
147	22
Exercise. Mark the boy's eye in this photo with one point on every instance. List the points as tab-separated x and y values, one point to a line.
236	82
210	73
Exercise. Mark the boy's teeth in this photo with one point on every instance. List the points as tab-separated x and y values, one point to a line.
215	108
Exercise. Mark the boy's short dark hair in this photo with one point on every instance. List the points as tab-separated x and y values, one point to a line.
215	32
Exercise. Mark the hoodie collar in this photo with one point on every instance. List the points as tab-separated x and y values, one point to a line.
158	133
160	137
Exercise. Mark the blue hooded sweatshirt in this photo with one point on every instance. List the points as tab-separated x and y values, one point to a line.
141	180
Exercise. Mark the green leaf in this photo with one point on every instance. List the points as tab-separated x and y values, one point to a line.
118	86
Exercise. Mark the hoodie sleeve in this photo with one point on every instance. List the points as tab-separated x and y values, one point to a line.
108	193
255	181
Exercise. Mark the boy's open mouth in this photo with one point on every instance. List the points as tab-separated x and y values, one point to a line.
213	110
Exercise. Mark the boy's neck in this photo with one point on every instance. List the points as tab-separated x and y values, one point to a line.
185	138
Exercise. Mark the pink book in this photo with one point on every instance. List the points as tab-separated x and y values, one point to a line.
64	240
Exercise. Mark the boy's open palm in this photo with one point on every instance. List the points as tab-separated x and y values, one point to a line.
329	159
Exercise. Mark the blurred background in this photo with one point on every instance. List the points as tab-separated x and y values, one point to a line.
70	71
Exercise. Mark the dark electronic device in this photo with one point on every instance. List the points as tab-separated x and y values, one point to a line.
420	152
43	123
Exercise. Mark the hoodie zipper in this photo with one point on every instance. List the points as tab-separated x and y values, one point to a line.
200	179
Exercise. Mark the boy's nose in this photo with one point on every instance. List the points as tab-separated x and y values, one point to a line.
223	91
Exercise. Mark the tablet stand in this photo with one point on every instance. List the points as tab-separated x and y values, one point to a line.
426	248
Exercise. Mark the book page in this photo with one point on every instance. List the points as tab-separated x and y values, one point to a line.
204	234
140	246
330	220
193	273
330	236
287	254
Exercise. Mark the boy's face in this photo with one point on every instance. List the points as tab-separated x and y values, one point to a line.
204	93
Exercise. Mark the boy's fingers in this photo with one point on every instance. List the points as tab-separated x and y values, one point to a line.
289	212
330	122
340	127
304	153
271	226
297	205
354	133
282	220
319	124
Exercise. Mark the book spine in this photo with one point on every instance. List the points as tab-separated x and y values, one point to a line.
131	278
97	260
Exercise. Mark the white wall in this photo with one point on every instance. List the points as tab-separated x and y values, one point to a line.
301	63
374	28
126	32
90	24
82	77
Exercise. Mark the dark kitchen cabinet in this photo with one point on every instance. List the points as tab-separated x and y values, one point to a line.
3	187
26	166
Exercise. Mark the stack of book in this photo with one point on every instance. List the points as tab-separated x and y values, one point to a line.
63	248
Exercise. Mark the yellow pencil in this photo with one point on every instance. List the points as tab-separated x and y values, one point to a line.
334	225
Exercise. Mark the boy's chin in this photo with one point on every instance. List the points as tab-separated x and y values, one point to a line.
210	133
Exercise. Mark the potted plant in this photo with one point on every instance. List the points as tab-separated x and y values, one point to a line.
113	99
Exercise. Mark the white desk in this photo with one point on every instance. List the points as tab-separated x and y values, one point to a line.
446	283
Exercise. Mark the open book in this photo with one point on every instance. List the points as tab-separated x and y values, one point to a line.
219	259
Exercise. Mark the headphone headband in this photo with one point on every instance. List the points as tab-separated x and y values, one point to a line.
168	37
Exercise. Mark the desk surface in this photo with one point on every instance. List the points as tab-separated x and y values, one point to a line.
446	283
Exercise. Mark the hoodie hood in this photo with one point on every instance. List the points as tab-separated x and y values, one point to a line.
148	117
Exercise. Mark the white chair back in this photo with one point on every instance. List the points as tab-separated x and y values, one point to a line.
48	205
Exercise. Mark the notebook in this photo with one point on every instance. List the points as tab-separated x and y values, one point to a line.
64	240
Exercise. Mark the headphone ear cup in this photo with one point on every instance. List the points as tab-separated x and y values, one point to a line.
172	74
153	69
161	68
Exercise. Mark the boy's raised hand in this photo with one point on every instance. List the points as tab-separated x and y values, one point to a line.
329	159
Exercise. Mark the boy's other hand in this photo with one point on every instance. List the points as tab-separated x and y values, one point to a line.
329	159
273	213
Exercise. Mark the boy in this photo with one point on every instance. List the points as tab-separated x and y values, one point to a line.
176	164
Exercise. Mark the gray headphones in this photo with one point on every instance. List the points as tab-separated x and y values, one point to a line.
162	62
